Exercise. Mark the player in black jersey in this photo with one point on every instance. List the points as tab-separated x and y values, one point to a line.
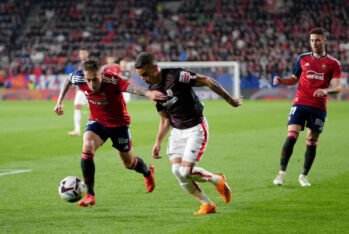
183	112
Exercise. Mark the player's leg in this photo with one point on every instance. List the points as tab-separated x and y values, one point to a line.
315	125
176	146
286	152
194	149
191	187
91	143
137	164
79	101
121	139
296	123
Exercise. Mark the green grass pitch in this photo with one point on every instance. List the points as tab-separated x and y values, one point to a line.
244	144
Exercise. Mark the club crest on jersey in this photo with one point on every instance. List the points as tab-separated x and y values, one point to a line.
185	77
315	75
323	66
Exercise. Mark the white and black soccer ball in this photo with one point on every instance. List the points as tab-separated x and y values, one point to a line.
71	189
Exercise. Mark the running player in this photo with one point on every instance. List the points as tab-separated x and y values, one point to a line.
79	99
108	119
183	112
314	71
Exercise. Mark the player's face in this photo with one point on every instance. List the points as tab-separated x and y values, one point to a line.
149	74
318	43
110	60
93	80
83	55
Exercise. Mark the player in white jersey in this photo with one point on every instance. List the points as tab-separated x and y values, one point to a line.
79	99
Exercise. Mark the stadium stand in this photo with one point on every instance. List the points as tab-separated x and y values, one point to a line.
43	37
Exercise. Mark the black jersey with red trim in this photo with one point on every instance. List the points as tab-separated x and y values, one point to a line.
182	105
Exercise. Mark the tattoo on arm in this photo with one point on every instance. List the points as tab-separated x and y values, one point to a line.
217	88
135	89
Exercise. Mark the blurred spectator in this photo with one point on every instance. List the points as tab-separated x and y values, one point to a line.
265	36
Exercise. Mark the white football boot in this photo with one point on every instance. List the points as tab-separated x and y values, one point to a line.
280	178
303	180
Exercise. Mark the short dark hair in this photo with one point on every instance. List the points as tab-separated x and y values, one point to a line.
318	31
91	65
144	58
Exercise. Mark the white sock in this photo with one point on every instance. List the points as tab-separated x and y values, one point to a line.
199	174
189	185
77	120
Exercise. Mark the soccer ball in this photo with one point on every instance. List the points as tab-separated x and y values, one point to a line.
71	189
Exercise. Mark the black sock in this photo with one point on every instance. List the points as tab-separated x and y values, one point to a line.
286	152
88	171
141	167
309	158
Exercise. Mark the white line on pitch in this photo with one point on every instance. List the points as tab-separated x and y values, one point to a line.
10	172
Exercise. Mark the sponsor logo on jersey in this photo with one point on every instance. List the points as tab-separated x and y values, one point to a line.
315	75
185	77
169	102
99	102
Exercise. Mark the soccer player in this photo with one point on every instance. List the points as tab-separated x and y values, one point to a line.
108	119
79	99
183	111
314	71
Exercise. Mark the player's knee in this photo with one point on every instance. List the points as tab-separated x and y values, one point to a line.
311	142
184	172
292	135
175	170
86	155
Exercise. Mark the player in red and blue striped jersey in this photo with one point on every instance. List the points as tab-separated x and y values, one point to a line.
318	75
108	119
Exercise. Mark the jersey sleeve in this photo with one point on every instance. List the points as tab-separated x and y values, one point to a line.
187	77
123	84
77	78
297	70
337	71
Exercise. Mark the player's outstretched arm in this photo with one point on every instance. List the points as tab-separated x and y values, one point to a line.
152	95
59	105
292	80
164	127
202	80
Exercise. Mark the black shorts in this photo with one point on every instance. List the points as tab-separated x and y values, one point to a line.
120	136
311	117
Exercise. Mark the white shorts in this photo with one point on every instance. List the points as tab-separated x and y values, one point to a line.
127	96
80	98
189	144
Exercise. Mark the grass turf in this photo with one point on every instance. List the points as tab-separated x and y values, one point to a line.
244	144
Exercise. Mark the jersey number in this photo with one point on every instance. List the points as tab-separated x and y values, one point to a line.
293	110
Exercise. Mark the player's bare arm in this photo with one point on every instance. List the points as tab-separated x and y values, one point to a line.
291	80
335	88
59	105
164	127
218	89
152	95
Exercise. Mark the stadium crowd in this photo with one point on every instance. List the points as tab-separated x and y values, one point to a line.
265	36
